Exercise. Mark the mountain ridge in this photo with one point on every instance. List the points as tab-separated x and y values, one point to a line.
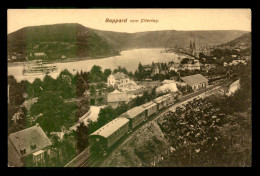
76	40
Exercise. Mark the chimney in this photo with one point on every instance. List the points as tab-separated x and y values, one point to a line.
37	124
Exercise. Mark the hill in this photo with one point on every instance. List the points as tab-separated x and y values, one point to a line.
72	40
168	38
76	41
244	40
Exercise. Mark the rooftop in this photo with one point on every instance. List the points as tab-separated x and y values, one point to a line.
111	127
167	95
133	112
167	81
117	97
159	99
26	138
148	105
194	79
120	75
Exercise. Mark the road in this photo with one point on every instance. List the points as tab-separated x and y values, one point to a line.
85	159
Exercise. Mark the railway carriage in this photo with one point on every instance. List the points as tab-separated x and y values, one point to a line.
150	108
108	135
161	102
135	115
169	99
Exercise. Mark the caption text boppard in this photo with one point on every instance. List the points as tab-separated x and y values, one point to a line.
108	20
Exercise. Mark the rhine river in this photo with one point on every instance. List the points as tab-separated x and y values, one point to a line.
128	59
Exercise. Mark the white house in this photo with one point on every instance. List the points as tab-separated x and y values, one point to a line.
118	80
225	64
39	54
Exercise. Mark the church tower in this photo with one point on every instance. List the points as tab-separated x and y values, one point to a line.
194	45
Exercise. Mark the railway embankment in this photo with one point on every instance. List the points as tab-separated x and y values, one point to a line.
141	149
147	145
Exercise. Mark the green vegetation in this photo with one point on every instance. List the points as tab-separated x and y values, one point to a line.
108	114
162	38
76	41
71	40
204	140
244	40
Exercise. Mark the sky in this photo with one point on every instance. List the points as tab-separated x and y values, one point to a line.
161	19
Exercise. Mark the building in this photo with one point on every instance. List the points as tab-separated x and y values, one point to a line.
63	56
237	61
29	147
114	99
118	80
13	57
243	61
247	58
147	67
195	81
225	64
207	67
192	65
168	81
155	70
39	54
171	66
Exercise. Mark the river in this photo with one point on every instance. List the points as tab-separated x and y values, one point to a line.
128	59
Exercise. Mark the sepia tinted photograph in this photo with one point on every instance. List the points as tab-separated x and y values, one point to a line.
129	87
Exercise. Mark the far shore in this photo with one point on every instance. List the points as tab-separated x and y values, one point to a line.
17	64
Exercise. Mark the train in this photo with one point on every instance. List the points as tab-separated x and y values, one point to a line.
105	137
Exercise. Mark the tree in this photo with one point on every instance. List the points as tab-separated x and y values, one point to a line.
92	91
185	60
110	89
202	55
96	74
100	92
139	100
120	69
16	91
80	87
107	72
51	112
64	85
140	68
48	83
65	72
82	134
106	115
123	107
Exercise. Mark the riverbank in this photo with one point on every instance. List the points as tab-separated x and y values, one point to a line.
128	59
16	64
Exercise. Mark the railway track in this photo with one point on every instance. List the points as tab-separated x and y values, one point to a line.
85	159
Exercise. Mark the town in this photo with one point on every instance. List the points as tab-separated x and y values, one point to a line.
80	104
129	88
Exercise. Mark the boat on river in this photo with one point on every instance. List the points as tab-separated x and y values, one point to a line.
37	67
